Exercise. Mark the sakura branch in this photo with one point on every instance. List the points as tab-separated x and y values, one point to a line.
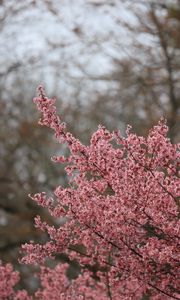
122	215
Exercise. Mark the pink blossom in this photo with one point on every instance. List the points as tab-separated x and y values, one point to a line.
121	205
122	215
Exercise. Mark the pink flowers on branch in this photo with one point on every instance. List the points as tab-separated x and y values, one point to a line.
121	207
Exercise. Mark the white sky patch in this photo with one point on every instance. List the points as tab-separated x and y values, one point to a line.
70	38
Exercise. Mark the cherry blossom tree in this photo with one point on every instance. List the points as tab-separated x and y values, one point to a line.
121	215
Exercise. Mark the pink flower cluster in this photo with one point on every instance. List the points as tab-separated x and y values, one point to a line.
8	279
122	215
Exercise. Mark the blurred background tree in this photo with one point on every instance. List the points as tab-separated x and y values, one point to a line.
146	80
109	62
